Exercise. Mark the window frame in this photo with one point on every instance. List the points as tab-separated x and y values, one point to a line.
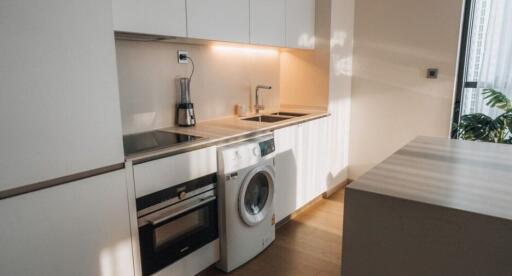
462	64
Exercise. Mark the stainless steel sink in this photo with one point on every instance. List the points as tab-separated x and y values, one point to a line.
266	119
290	114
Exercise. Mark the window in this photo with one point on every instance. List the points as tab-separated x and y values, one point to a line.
486	55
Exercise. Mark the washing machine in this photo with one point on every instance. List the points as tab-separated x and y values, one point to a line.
246	200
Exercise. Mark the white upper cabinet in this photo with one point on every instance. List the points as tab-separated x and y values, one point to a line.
282	23
300	24
224	20
159	17
59	99
268	22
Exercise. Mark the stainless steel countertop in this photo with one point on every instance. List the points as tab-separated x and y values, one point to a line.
470	176
224	130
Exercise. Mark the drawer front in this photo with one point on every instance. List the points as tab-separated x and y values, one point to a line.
163	173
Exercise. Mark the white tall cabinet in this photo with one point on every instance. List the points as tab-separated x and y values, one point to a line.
159	17
225	20
59	100
80	228
300	24
268	22
301	165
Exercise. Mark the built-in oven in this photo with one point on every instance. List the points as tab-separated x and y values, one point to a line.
176	221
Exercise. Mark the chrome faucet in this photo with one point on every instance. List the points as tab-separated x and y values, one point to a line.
257	105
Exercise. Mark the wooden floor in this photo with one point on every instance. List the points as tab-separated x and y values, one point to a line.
309	244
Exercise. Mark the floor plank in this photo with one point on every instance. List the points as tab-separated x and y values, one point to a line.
310	244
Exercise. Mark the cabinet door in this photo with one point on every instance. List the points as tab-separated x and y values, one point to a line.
79	228
224	20
287	171
160	17
314	159
59	100
163	173
268	19
300	24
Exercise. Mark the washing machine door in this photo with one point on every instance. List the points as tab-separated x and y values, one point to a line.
257	195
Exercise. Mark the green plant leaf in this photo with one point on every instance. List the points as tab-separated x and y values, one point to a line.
476	126
481	127
497	99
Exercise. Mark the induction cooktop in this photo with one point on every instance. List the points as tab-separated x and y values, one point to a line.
153	140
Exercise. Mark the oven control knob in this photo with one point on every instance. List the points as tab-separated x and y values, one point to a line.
182	195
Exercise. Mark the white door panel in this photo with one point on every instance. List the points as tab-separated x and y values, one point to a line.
300	24
268	22
159	17
59	100
224	20
78	228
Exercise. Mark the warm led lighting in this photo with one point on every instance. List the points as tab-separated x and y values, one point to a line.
257	51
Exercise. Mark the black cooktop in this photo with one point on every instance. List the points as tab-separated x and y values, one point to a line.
153	140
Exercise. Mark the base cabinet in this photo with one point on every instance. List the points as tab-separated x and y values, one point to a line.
301	165
286	194
79	228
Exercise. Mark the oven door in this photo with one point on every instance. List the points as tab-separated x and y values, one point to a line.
169	234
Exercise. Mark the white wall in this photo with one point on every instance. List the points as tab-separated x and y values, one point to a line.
322	79
340	86
392	101
225	75
305	73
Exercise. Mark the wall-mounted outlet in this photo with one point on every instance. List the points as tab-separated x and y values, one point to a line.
432	73
182	56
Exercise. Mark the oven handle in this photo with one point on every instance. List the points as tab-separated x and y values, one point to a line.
185	209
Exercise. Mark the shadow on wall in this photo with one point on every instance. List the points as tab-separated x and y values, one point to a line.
392	100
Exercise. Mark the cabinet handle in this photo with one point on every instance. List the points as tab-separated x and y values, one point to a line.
184	209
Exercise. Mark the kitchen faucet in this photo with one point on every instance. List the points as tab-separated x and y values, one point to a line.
259	106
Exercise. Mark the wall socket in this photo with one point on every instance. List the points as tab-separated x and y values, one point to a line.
182	56
432	73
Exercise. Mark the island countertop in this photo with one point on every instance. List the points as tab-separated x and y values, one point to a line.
463	175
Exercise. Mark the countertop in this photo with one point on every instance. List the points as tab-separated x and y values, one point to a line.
224	130
464	175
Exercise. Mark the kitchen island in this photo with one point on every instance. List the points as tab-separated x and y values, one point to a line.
435	207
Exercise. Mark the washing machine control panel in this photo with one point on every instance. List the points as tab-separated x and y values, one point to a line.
267	147
246	154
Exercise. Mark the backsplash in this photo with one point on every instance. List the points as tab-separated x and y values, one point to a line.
224	76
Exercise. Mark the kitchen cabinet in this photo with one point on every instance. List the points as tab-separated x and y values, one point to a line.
300	24
287	156
301	165
224	20
313	162
80	228
159	17
159	174
268	19
59	105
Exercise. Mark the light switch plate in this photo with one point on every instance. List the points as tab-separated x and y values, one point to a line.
183	57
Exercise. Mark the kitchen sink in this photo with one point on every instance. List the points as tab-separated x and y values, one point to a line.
266	119
291	114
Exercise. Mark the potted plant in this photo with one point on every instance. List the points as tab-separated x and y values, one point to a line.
480	127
